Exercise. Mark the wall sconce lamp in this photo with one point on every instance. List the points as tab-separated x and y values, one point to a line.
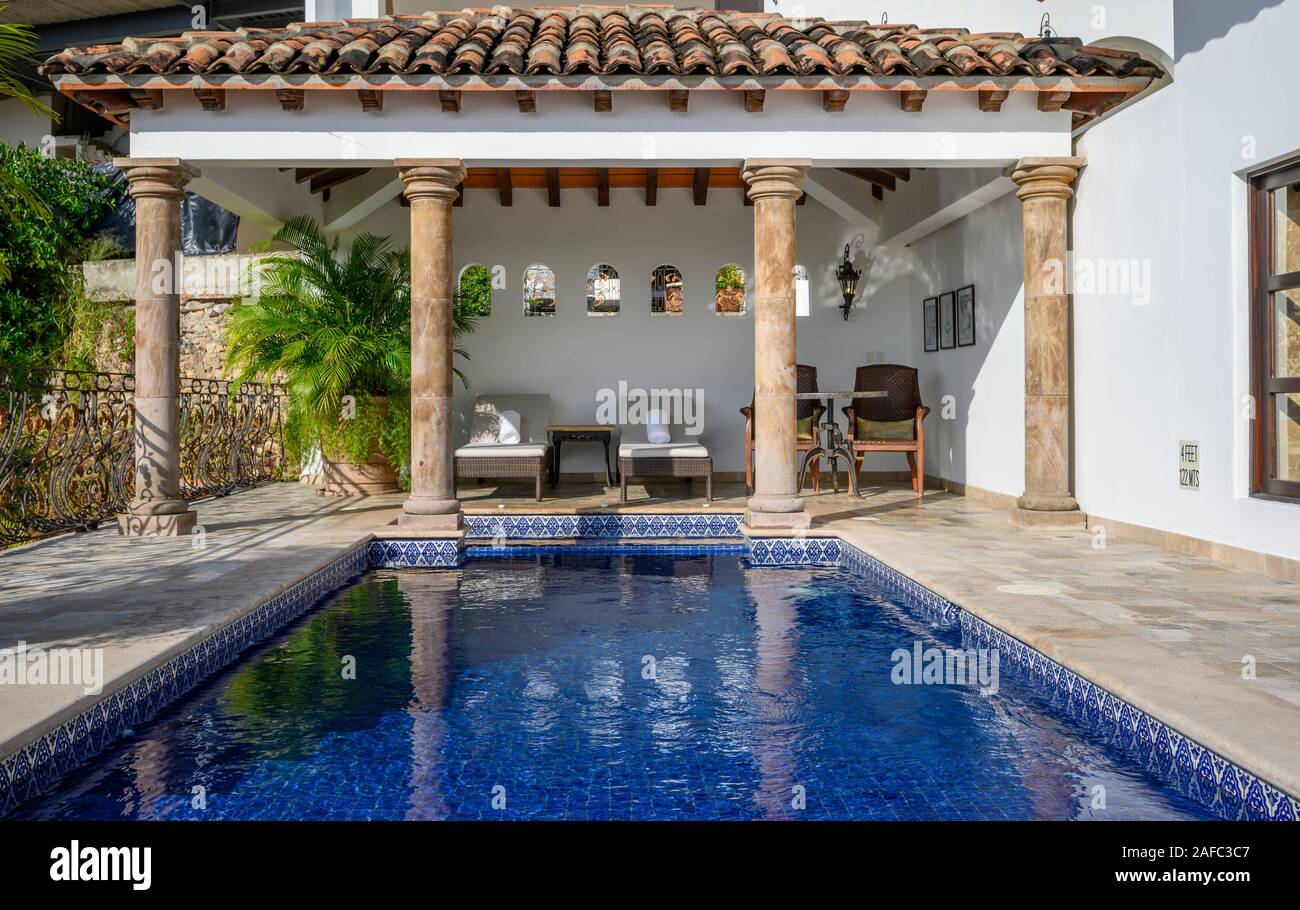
848	277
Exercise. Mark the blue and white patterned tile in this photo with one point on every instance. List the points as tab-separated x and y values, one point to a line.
794	551
414	554
618	526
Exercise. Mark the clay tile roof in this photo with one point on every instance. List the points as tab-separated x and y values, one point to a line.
605	40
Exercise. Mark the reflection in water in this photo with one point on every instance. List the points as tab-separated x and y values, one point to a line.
528	673
431	598
777	695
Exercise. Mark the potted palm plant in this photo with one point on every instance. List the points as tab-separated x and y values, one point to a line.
336	330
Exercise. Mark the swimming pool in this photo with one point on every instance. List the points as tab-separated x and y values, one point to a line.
556	683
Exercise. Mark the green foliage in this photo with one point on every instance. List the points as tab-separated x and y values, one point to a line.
730	278
48	208
17	45
474	295
329	327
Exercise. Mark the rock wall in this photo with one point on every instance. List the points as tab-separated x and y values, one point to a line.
208	284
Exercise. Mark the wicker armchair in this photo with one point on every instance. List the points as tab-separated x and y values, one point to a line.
888	417
805	381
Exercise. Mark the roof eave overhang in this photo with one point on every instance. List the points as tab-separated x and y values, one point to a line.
115	95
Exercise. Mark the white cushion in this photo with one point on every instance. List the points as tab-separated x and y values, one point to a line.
508	428
662	450
487	450
656	428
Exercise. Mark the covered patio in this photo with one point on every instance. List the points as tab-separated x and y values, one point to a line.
805	136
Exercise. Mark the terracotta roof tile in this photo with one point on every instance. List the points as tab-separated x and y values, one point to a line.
602	40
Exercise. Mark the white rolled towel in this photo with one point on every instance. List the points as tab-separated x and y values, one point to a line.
508	428
656	428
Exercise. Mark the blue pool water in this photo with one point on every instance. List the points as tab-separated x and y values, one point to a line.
581	685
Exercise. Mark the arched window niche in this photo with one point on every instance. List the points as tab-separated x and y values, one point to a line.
539	291
729	291
604	290
666	291
474	290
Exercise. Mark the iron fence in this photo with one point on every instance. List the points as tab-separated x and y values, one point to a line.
66	446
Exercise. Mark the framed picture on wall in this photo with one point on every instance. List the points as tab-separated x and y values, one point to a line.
947	320
930	320
966	316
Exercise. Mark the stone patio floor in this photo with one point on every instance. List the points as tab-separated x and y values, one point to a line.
1167	631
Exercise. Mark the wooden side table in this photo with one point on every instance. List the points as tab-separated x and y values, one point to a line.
560	433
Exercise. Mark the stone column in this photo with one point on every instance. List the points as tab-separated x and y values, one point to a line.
158	186
431	187
773	185
1045	191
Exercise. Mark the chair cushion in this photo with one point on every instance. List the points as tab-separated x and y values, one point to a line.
488	450
885	429
662	450
803	429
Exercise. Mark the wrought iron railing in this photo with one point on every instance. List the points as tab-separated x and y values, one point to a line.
66	449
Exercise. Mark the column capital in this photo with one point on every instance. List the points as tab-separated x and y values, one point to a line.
427	178
156	176
775	177
1053	177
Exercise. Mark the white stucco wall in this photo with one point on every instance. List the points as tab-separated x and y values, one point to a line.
572	355
19	124
976	436
1162	187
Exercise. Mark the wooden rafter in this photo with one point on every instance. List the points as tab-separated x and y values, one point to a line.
212	99
833	100
602	186
911	101
450	101
505	186
553	187
328	178
527	102
678	100
754	101
370	99
700	188
991	99
651	185
291	99
602	101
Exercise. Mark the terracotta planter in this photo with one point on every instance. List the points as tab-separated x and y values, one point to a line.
359	478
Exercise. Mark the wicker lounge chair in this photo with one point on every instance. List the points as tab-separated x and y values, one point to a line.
805	381
895	423
528	459
679	458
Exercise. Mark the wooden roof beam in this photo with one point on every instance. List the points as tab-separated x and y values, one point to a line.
146	99
833	100
990	100
527	101
700	186
553	187
505	186
602	186
754	101
332	177
370	99
651	185
678	100
291	99
602	101
450	101
911	100
212	99
1052	101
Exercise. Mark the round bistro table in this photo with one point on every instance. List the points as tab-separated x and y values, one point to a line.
831	446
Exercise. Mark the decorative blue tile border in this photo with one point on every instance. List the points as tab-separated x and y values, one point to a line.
411	554
794	551
1194	770
28	772
615	526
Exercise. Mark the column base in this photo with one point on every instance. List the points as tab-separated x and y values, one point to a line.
448	521
1062	519
780	520
174	524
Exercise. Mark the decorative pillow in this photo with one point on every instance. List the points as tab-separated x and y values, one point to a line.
885	429
656	430
508	428
803	429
